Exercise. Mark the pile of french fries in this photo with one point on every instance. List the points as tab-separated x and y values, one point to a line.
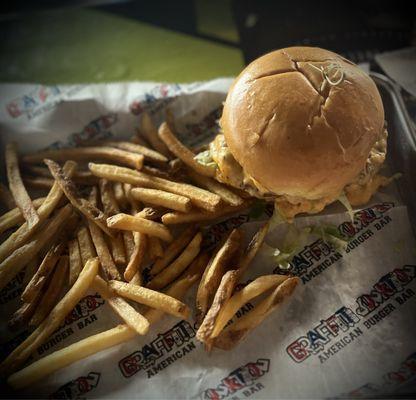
131	230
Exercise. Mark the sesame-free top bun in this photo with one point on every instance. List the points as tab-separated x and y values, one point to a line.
302	120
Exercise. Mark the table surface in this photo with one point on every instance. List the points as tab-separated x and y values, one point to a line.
90	45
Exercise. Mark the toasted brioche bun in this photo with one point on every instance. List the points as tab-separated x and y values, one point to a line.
296	133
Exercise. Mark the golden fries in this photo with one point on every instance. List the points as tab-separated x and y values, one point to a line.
54	319
224	292
119	195
107	263
17	187
202	216
236	332
11	266
87	153
155	249
200	197
216	268
21	235
133	319
14	217
149	154
173	250
182	152
6	197
108	198
86	246
68	355
163	199
75	261
91	212
52	293
252	290
38	182
252	248
40	277
214	186
137	224
149	131
171	272
151	298
135	262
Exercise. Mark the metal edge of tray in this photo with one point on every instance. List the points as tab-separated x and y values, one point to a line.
401	149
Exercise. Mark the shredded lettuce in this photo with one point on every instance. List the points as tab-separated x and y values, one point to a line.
276	219
330	234
205	158
344	201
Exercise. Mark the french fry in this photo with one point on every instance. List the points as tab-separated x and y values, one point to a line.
119	195
134	204
139	139
252	249
124	310
173	218
137	257
17	187
252	290
149	154
51	295
150	213
6	197
176	290
91	212
14	217
162	198
86	246
108	198
38	182
81	177
200	197
87	153
224	292
214	186
197	266
128	241
117	249
156	172
93	344
149	131
46	267
68	355
236	332
137	224
137	279
182	152
155	249
215	270
54	319
107	263
21	235
24	313
151	298
75	261
30	270
178	266
13	264
174	248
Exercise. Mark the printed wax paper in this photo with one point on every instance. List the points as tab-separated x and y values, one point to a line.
348	331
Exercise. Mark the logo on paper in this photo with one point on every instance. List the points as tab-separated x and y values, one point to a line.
38	100
76	388
243	379
157	355
156	99
85	307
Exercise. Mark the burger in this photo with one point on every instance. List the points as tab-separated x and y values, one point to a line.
304	127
